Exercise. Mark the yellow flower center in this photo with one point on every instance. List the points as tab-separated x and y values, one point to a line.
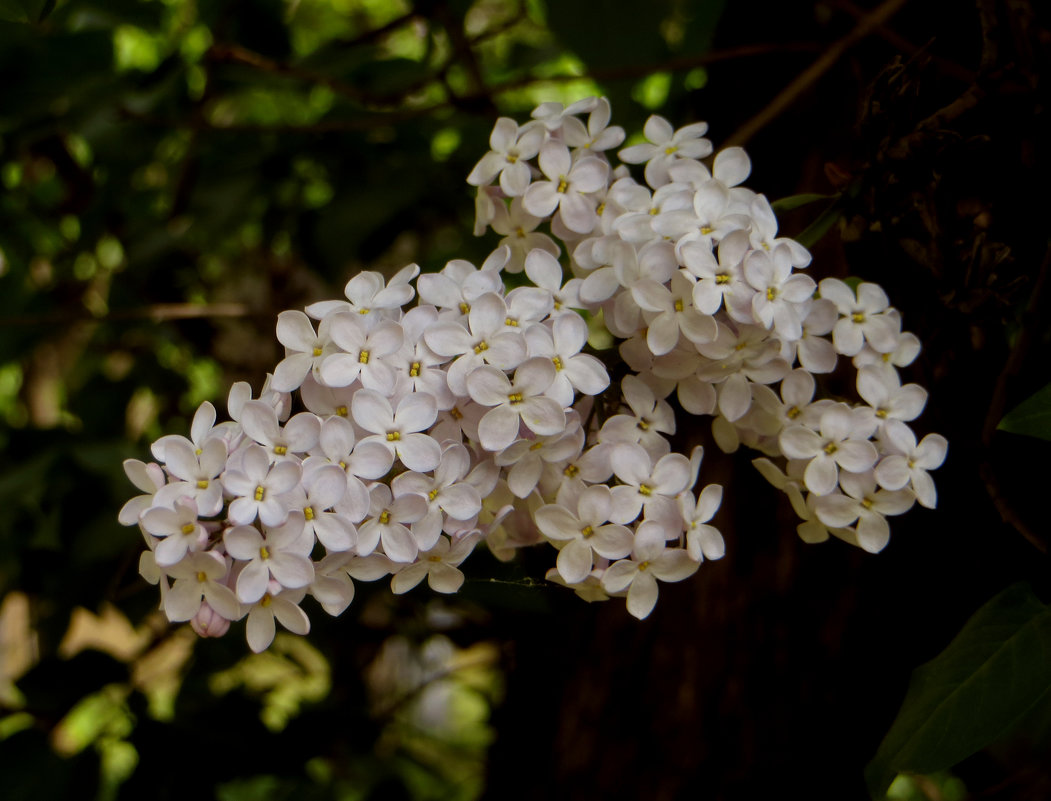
481	347
260	492
189	528
280	450
317	352
202	576
645	489
363	357
587	531
455	413
393	436
515	397
571	471
432	494
563	185
264	553
384	517
414	370
308	513
342	411
464	308
202	484
557	362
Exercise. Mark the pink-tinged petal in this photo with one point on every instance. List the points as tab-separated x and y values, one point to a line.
642	596
663	334
674	564
575	561
555	162
398	543
371	460
671	474
408	577
170	551
873	532
291	616
587	374
541	199
847	337
821	475
612	541
619	575
515	178
419	452
931	452
272	512
732	166
556	522
735	397
335	533
444	578
372	411
542	416
909	402
923	486
448	338
416	412
856	456
260	629
291	570
340	370
523	476
589	175
242	511
532	377
506	350
489	386
837	510
328	485
893	472
498	428
302	432
295	331
222	599
252	581
259	422
460	501
283	477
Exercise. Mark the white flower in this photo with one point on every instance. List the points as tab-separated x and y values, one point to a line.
520	401
665	146
282	553
840	443
439	564
365	353
585	531
280	604
511	149
180	529
566	188
907	463
702	541
197	578
650	560
398	431
261	489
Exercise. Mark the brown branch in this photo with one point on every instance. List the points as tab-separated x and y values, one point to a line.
160	312
791	93
998	405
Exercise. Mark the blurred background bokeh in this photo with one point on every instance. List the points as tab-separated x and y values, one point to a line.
174	173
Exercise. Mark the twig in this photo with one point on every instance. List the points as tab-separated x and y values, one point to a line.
998	405
866	25
160	312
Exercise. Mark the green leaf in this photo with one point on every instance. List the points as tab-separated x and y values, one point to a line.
996	670
795	201
819	227
1032	417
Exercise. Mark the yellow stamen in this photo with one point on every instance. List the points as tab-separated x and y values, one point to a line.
434	558
393	436
202	576
317	352
481	347
515	397
601	208
511	158
557	362
511	321
202	484
260	491
645	489
414	370
587	531
563	185
363	357
198	451
571	471
670	149
265	601
308	513
858	317
706	229
643	424
771	293
342	411
867	503
464	308
432	494
364	311
793	413
520	232
455	413
536	446
643	565
280	450
264	553
678	305
722	278
189	528
831	448
384	517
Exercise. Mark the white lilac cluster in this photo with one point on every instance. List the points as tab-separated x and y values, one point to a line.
477	414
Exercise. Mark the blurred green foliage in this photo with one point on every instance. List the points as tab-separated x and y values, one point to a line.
173	173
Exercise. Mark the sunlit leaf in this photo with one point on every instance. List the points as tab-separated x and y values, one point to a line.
996	670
